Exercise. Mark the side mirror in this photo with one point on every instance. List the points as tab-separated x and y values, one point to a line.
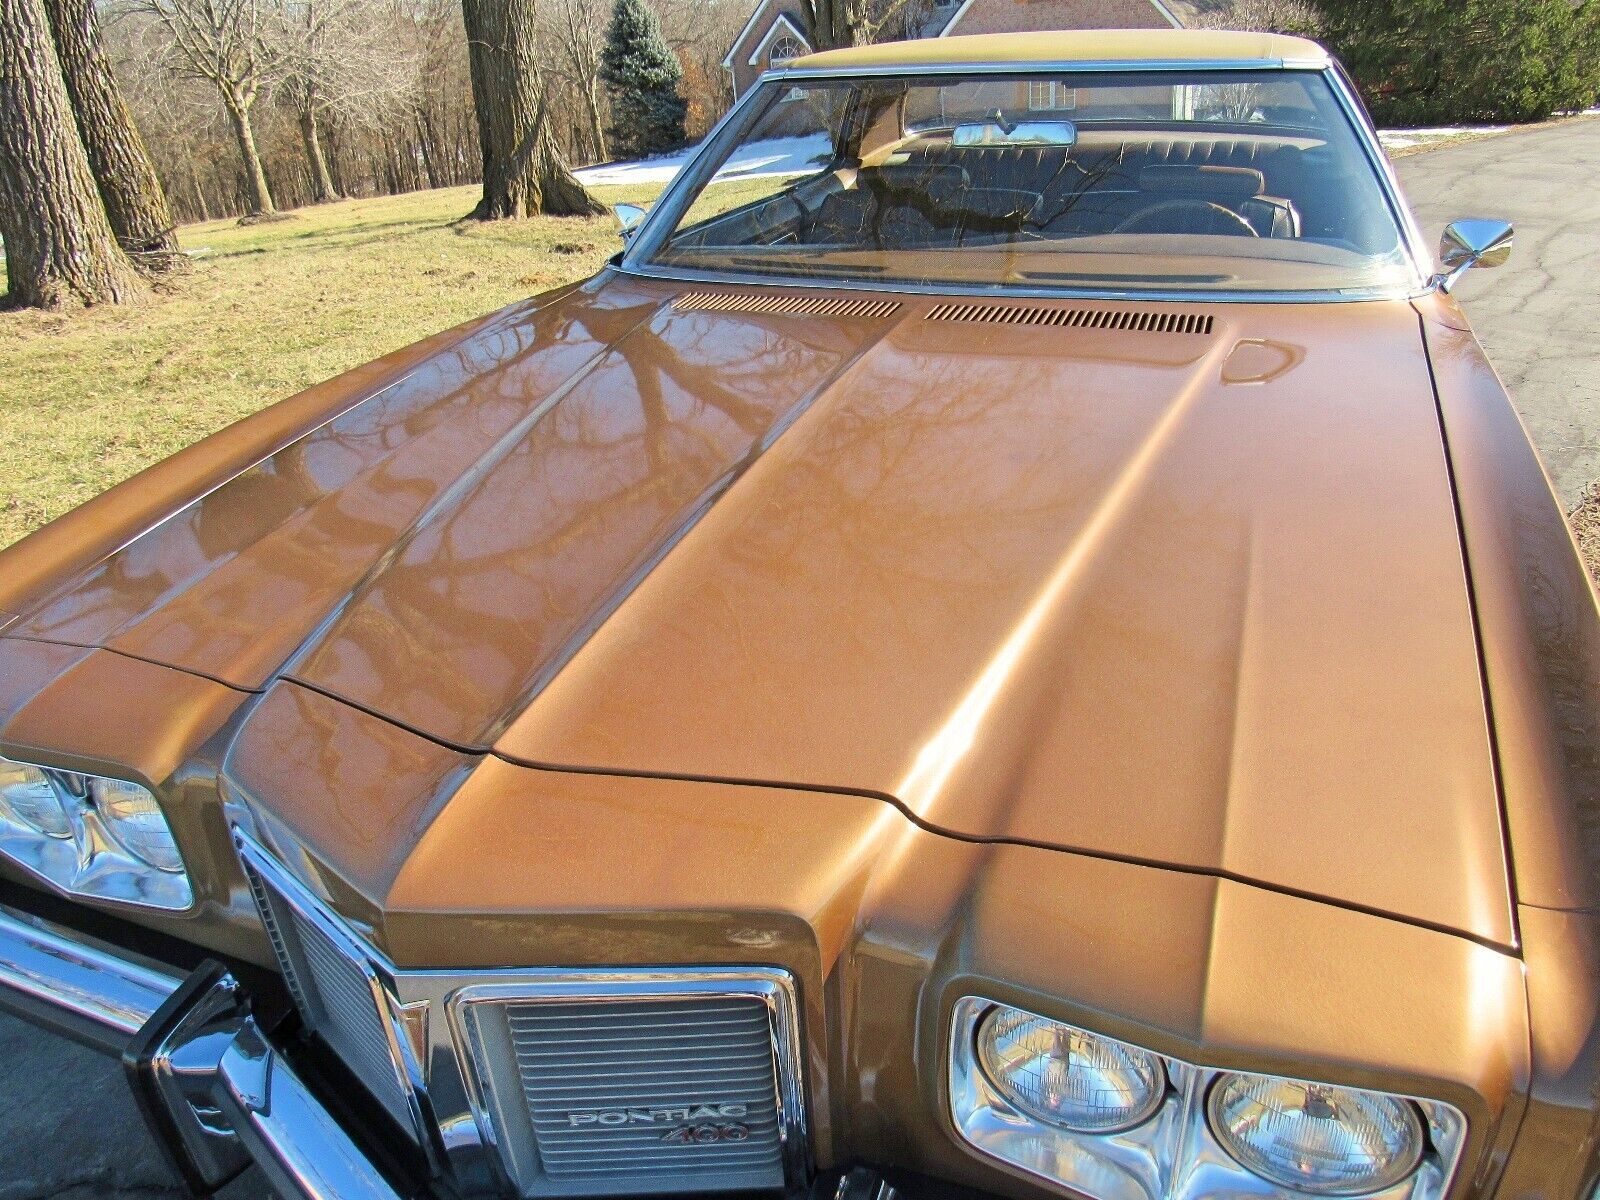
1473	243
630	217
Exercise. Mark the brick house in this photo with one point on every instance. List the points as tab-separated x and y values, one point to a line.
774	34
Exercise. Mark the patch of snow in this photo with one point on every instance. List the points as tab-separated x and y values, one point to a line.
1401	139
661	169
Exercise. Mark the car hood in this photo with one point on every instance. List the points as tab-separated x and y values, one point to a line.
1173	585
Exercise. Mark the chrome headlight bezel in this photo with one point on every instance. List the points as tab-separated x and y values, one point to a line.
91	861
1172	1155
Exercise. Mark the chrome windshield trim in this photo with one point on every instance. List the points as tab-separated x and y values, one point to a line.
1053	66
1010	292
1344	91
679	193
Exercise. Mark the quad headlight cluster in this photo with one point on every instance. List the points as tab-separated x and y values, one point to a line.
91	836
1117	1122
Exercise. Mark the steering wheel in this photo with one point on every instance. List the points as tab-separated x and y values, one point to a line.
1188	216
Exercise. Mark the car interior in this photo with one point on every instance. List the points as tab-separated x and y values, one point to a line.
999	178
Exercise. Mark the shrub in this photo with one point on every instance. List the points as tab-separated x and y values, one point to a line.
1421	62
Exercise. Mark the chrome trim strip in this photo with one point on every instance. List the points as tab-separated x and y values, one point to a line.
299	1146
664	214
66	982
1011	292
1053	66
773	985
446	1094
1344	91
408	1076
72	985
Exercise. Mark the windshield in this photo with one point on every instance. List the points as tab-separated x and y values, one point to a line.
1128	181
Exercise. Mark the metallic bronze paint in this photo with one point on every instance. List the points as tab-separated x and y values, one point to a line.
1131	678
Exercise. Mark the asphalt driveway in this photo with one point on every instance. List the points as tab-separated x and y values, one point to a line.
67	1126
1537	316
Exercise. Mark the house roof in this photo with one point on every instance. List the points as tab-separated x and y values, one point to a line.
1094	45
727	60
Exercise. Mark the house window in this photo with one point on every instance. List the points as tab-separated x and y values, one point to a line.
784	51
1047	95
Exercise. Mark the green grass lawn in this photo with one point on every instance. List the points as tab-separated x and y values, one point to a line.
88	398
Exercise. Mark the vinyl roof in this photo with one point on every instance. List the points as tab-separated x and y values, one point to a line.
1131	46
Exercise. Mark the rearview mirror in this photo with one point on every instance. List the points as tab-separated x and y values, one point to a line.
1473	243
630	217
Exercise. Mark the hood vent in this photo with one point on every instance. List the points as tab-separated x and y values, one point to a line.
786	306
1122	319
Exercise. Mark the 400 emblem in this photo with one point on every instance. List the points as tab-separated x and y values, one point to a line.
692	1135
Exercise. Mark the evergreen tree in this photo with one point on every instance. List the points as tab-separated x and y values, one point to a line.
1422	62
642	74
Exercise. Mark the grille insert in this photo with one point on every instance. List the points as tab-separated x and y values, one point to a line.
640	1086
1121	319
330	980
786	306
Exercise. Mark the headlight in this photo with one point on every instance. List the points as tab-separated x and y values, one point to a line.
1113	1121
135	820
1310	1137
27	794
90	836
1068	1077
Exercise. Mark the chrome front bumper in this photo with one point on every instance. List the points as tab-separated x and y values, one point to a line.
216	1091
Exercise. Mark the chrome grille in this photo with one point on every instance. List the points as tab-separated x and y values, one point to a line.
690	1091
332	982
651	1061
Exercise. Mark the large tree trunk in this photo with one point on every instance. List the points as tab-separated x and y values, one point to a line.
833	24
836	23
258	193
59	246
322	189
524	171
129	186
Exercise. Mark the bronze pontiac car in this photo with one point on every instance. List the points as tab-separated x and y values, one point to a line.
1011	644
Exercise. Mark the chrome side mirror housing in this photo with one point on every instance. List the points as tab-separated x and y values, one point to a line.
629	218
1472	243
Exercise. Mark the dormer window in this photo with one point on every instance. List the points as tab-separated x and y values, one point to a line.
784	51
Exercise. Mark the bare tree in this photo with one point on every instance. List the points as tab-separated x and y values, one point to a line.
700	31
59	245
446	124
1264	16
135	201
577	31
371	141
524	170
342	60
238	47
